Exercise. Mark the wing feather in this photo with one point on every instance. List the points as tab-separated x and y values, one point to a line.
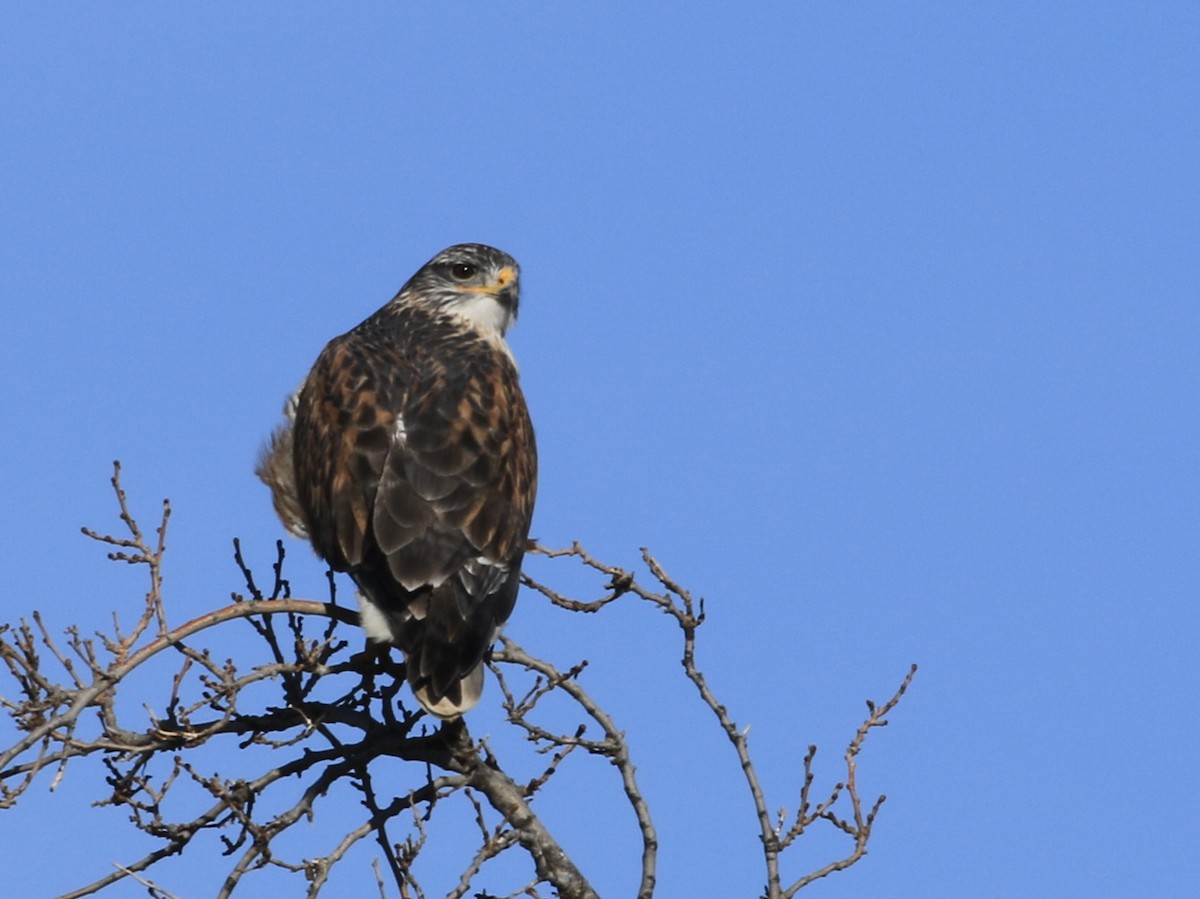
416	469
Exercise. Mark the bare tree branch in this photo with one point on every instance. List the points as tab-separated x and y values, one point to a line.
677	602
316	722
614	745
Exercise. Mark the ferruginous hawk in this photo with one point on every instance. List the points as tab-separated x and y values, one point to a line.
408	460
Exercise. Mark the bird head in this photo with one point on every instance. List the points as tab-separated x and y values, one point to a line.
471	280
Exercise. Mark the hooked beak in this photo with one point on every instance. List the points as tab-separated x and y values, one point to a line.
506	289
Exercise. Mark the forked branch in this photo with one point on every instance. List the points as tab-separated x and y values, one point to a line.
678	603
336	717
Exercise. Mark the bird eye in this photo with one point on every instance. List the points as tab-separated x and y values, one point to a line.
462	271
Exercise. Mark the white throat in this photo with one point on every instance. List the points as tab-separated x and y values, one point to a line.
484	313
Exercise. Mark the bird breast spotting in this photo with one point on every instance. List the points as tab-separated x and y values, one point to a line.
407	458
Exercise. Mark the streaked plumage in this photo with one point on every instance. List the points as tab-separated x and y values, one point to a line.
409	461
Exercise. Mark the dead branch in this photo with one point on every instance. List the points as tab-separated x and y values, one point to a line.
677	602
334	719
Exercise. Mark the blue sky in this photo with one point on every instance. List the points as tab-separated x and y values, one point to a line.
877	325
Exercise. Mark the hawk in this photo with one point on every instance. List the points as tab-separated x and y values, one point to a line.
408	460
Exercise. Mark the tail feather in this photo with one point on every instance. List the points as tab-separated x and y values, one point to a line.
443	651
459	698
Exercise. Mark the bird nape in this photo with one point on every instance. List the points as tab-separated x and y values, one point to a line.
408	459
